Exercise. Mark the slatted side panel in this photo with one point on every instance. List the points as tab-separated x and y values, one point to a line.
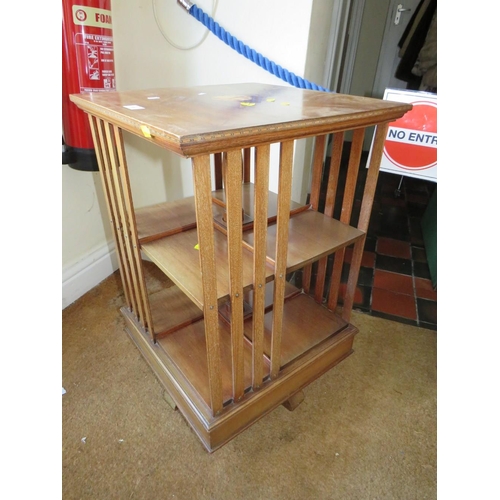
96	128
283	217
204	223
261	178
317	172
118	188
234	236
110	153
124	222
121	173
364	216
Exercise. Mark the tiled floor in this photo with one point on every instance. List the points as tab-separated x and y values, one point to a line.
394	280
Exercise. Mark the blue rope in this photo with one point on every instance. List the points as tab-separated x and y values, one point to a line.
251	54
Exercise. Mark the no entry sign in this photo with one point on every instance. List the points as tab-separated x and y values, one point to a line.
410	147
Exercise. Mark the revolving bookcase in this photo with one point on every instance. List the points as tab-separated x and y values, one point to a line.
236	335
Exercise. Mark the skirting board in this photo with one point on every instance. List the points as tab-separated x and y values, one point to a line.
79	278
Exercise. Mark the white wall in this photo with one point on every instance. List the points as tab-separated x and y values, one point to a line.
87	248
145	59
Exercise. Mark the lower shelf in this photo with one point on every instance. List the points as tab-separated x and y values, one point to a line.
172	310
305	325
187	350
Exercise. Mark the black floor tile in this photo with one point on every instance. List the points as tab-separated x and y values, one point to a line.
418	254
416	237
421	270
365	275
428	326
393	264
392	201
414	185
370	243
388	230
388	181
427	311
388	184
374	226
398	216
415	209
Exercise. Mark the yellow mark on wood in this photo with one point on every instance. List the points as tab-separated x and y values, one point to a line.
285	104
197	246
270	99
247	103
145	131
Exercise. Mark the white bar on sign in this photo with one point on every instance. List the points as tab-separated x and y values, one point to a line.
414	137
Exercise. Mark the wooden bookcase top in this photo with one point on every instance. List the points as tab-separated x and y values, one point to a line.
208	119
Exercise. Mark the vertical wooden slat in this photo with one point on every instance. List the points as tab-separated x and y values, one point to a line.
372	176
352	175
333	175
234	250
364	216
204	224
282	219
352	280
345	216
246	164
331	191
116	214
110	204
317	172
261	197
132	230
124	222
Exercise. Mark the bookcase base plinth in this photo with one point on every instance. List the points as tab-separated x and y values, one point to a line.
215	431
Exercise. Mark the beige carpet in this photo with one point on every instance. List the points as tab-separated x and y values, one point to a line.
366	429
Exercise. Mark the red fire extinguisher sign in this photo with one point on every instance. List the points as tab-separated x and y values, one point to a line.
94	51
88	65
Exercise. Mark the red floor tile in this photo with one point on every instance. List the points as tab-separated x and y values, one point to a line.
394	248
396	304
399	283
424	289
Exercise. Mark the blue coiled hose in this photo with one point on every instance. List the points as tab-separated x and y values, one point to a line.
246	51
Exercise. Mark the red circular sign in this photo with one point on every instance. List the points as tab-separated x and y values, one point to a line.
81	15
411	141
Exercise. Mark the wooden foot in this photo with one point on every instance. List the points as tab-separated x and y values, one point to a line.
292	403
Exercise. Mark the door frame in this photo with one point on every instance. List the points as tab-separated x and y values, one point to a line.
345	28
